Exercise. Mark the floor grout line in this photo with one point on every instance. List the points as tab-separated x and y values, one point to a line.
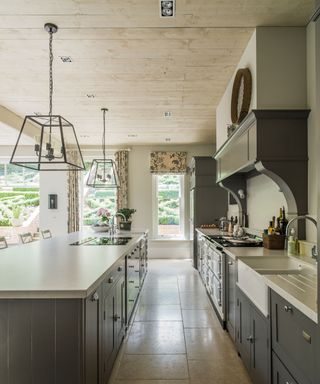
184	335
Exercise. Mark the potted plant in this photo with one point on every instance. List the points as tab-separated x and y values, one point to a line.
126	213
102	222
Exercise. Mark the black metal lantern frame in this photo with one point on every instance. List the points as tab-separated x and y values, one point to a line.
103	172
56	146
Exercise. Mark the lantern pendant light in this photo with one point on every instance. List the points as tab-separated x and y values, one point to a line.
55	144
103	172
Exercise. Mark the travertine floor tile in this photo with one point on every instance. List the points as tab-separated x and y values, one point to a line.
157	296
158	313
156	338
153	367
199	318
208	344
191	284
194	300
218	371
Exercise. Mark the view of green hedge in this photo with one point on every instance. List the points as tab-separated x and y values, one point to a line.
15	203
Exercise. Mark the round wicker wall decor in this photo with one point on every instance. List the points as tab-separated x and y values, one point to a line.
241	95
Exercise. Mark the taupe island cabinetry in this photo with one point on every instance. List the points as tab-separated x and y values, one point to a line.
64	309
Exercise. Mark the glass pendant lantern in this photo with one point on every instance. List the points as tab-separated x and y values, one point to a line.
56	146
103	172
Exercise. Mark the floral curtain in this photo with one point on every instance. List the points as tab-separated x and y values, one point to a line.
73	197
122	161
168	162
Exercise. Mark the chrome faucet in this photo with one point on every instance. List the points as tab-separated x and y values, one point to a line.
314	251
113	229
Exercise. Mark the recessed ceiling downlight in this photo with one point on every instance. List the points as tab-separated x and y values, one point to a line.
66	59
167	8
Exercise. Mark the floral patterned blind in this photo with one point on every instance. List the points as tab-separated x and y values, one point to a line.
168	162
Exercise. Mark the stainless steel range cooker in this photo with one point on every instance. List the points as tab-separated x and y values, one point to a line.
212	267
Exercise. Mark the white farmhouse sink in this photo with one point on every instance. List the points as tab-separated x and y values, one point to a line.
273	265
254	286
251	281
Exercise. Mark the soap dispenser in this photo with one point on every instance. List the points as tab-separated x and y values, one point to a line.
291	244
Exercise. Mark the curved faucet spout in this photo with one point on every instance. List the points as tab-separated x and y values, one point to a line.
304	217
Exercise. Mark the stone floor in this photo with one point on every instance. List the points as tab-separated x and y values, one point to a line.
175	337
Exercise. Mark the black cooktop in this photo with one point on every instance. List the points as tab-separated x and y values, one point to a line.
229	241
103	240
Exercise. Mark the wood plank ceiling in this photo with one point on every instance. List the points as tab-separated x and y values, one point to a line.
128	59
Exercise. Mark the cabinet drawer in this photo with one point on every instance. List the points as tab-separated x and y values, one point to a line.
113	276
280	374
294	339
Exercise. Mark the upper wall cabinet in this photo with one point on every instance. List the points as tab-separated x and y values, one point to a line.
274	143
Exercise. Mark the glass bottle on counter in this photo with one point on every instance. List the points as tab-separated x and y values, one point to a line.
277	229
283	222
270	228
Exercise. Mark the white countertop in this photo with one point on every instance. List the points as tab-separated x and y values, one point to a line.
299	290
53	268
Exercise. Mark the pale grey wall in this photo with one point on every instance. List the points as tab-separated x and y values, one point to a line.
223	113
313	129
281	68
54	219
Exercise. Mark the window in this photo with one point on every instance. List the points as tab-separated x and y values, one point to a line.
168	206
19	201
93	199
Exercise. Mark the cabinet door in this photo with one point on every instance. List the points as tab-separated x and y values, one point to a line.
92	334
260	362
243	328
109	346
231	274
280	374
119	315
294	339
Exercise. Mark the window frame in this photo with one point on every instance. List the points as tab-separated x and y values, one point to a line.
155	209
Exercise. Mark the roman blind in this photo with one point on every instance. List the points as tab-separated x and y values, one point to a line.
168	162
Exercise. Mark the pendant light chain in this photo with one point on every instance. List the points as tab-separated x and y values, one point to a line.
56	134
104	135
50	72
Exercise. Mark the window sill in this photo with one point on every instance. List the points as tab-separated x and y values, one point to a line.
169	239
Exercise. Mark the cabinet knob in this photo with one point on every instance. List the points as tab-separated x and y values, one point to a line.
129	257
131	281
287	308
250	339
131	300
116	317
131	266
119	269
95	297
110	280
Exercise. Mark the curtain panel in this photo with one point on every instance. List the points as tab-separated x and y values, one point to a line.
74	178
122	162
168	162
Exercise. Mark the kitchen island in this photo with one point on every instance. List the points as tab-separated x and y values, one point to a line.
64	308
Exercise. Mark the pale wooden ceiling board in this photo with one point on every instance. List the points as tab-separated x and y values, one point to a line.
133	62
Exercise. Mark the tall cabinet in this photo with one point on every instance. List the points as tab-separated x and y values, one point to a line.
208	201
